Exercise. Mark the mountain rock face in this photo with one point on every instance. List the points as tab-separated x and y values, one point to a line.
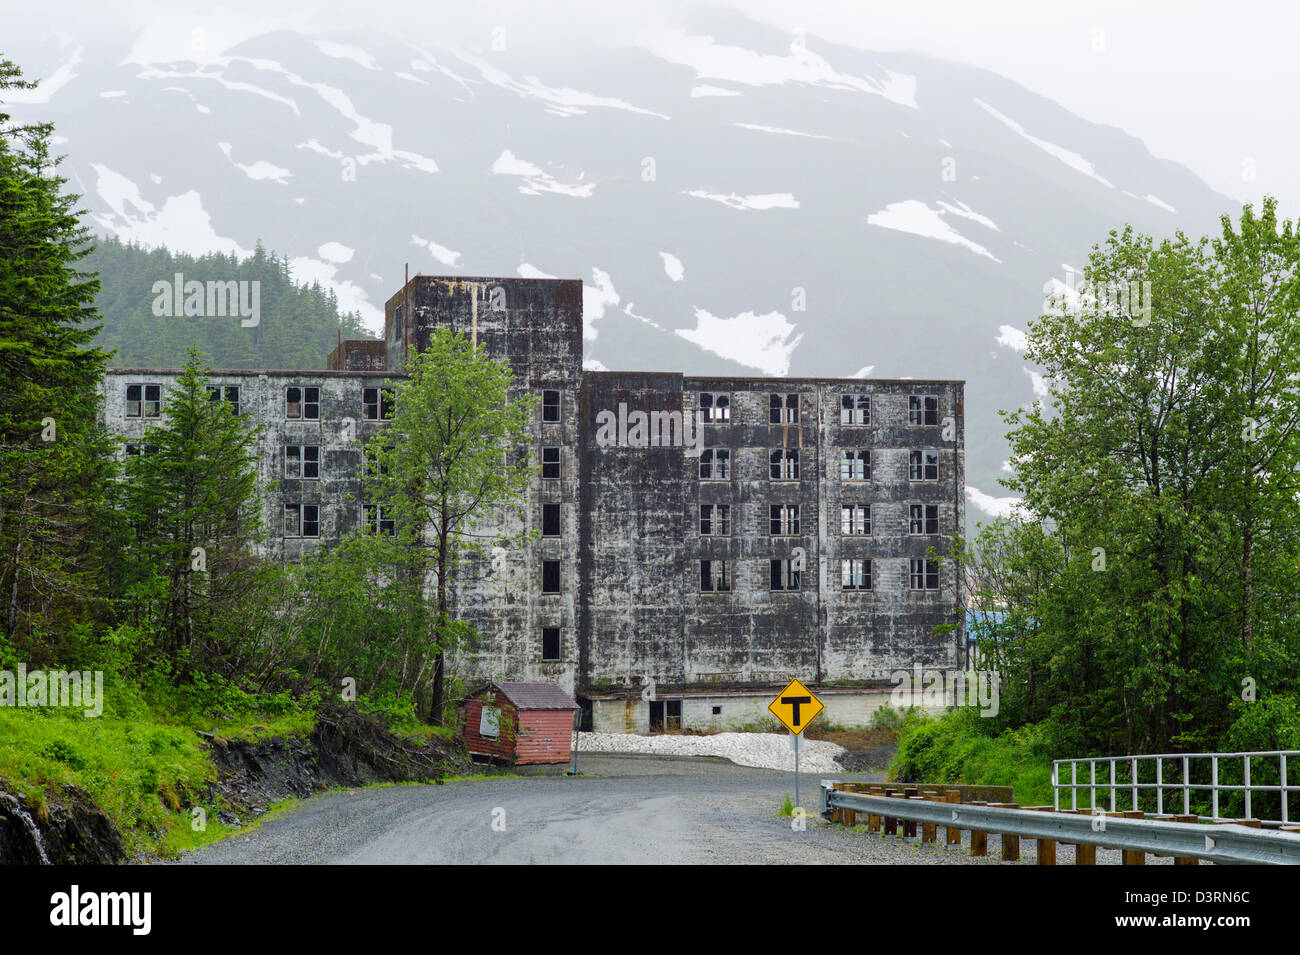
735	202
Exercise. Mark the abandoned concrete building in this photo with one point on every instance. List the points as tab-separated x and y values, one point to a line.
699	540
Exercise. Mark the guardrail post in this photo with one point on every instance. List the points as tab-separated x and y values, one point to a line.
1046	847
929	829
1185	860
874	819
1133	856
979	839
891	822
1084	852
850	815
909	825
1010	841
952	834
837	814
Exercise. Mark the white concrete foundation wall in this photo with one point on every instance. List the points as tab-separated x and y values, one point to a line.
741	709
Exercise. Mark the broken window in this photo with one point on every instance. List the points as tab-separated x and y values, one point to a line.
924	519
302	520
377	404
923	465
551	463
550	576
302	403
143	401
665	714
715	577
855	409
715	464
855	520
855	574
550	520
784	464
783	520
134	450
784	575
716	407
228	393
379	521
922	409
550	405
302	461
370	465
715	520
855	466
783	409
925	574
550	644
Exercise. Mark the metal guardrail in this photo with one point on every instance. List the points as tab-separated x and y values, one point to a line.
1224	844
1125	774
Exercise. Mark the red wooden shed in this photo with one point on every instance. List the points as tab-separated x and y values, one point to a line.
519	723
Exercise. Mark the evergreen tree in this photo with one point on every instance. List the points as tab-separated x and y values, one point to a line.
191	496
52	461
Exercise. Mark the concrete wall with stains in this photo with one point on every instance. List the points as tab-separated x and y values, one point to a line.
630	608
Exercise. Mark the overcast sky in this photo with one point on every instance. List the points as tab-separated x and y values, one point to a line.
1212	85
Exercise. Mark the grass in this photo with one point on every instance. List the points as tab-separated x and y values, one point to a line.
138	772
141	761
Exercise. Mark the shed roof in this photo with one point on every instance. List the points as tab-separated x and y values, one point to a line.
535	696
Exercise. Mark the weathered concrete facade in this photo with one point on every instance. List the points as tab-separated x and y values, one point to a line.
614	591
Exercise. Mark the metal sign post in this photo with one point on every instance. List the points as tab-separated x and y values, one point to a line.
795	706
795	740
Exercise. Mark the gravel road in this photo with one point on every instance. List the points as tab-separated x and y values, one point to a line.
647	809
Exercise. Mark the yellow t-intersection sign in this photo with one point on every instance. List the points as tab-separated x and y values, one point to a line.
796	707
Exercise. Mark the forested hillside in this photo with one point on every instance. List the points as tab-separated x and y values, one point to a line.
298	323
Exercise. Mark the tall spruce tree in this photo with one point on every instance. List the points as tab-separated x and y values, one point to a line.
190	493
52	460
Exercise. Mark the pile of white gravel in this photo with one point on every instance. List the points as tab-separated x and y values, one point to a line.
763	750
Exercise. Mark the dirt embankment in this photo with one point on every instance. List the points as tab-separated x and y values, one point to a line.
346	748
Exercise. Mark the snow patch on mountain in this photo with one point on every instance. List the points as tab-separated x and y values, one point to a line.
63	74
993	506
713	60
351	297
767	200
1156	201
966	212
1070	158
778	129
441	253
182	224
673	266
916	217
698	92
1012	337
344	51
258	170
757	341
563	101
595	299
335	252
536	181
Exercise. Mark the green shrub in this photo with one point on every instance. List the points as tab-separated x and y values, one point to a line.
960	747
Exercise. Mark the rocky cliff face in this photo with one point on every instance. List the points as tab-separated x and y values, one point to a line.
66	830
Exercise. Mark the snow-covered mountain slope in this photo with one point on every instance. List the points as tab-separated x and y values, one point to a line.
735	203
